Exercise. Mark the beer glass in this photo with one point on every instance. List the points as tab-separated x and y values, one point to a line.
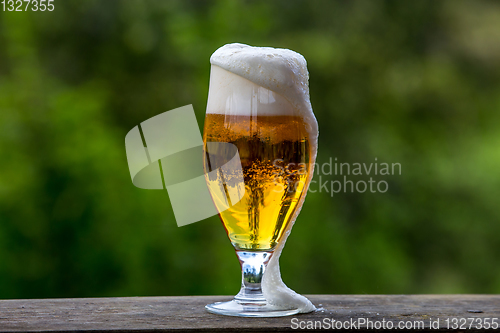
277	155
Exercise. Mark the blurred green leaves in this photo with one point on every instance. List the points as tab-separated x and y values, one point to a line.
415	83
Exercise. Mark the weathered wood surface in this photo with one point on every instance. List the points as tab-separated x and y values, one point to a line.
175	314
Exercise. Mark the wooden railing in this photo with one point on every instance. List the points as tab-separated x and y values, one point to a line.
176	314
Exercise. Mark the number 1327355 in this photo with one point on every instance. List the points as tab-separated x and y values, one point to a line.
27	5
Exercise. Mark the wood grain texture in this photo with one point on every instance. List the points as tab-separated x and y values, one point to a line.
181	314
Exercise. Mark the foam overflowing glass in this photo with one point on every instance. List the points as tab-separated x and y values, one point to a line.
259	103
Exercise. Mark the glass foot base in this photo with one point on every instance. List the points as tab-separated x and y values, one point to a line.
250	309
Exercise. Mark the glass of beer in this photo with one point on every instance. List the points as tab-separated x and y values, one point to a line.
272	126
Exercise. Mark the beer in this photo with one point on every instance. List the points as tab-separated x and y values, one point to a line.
275	158
259	114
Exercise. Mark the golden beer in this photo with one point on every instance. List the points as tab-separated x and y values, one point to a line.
275	158
260	136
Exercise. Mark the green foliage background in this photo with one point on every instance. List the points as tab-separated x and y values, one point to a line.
410	82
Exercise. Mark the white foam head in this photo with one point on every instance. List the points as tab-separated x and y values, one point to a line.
231	94
281	71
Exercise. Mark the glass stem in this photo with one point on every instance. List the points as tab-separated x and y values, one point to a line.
253	265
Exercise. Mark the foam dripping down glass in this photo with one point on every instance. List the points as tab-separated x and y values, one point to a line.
259	102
